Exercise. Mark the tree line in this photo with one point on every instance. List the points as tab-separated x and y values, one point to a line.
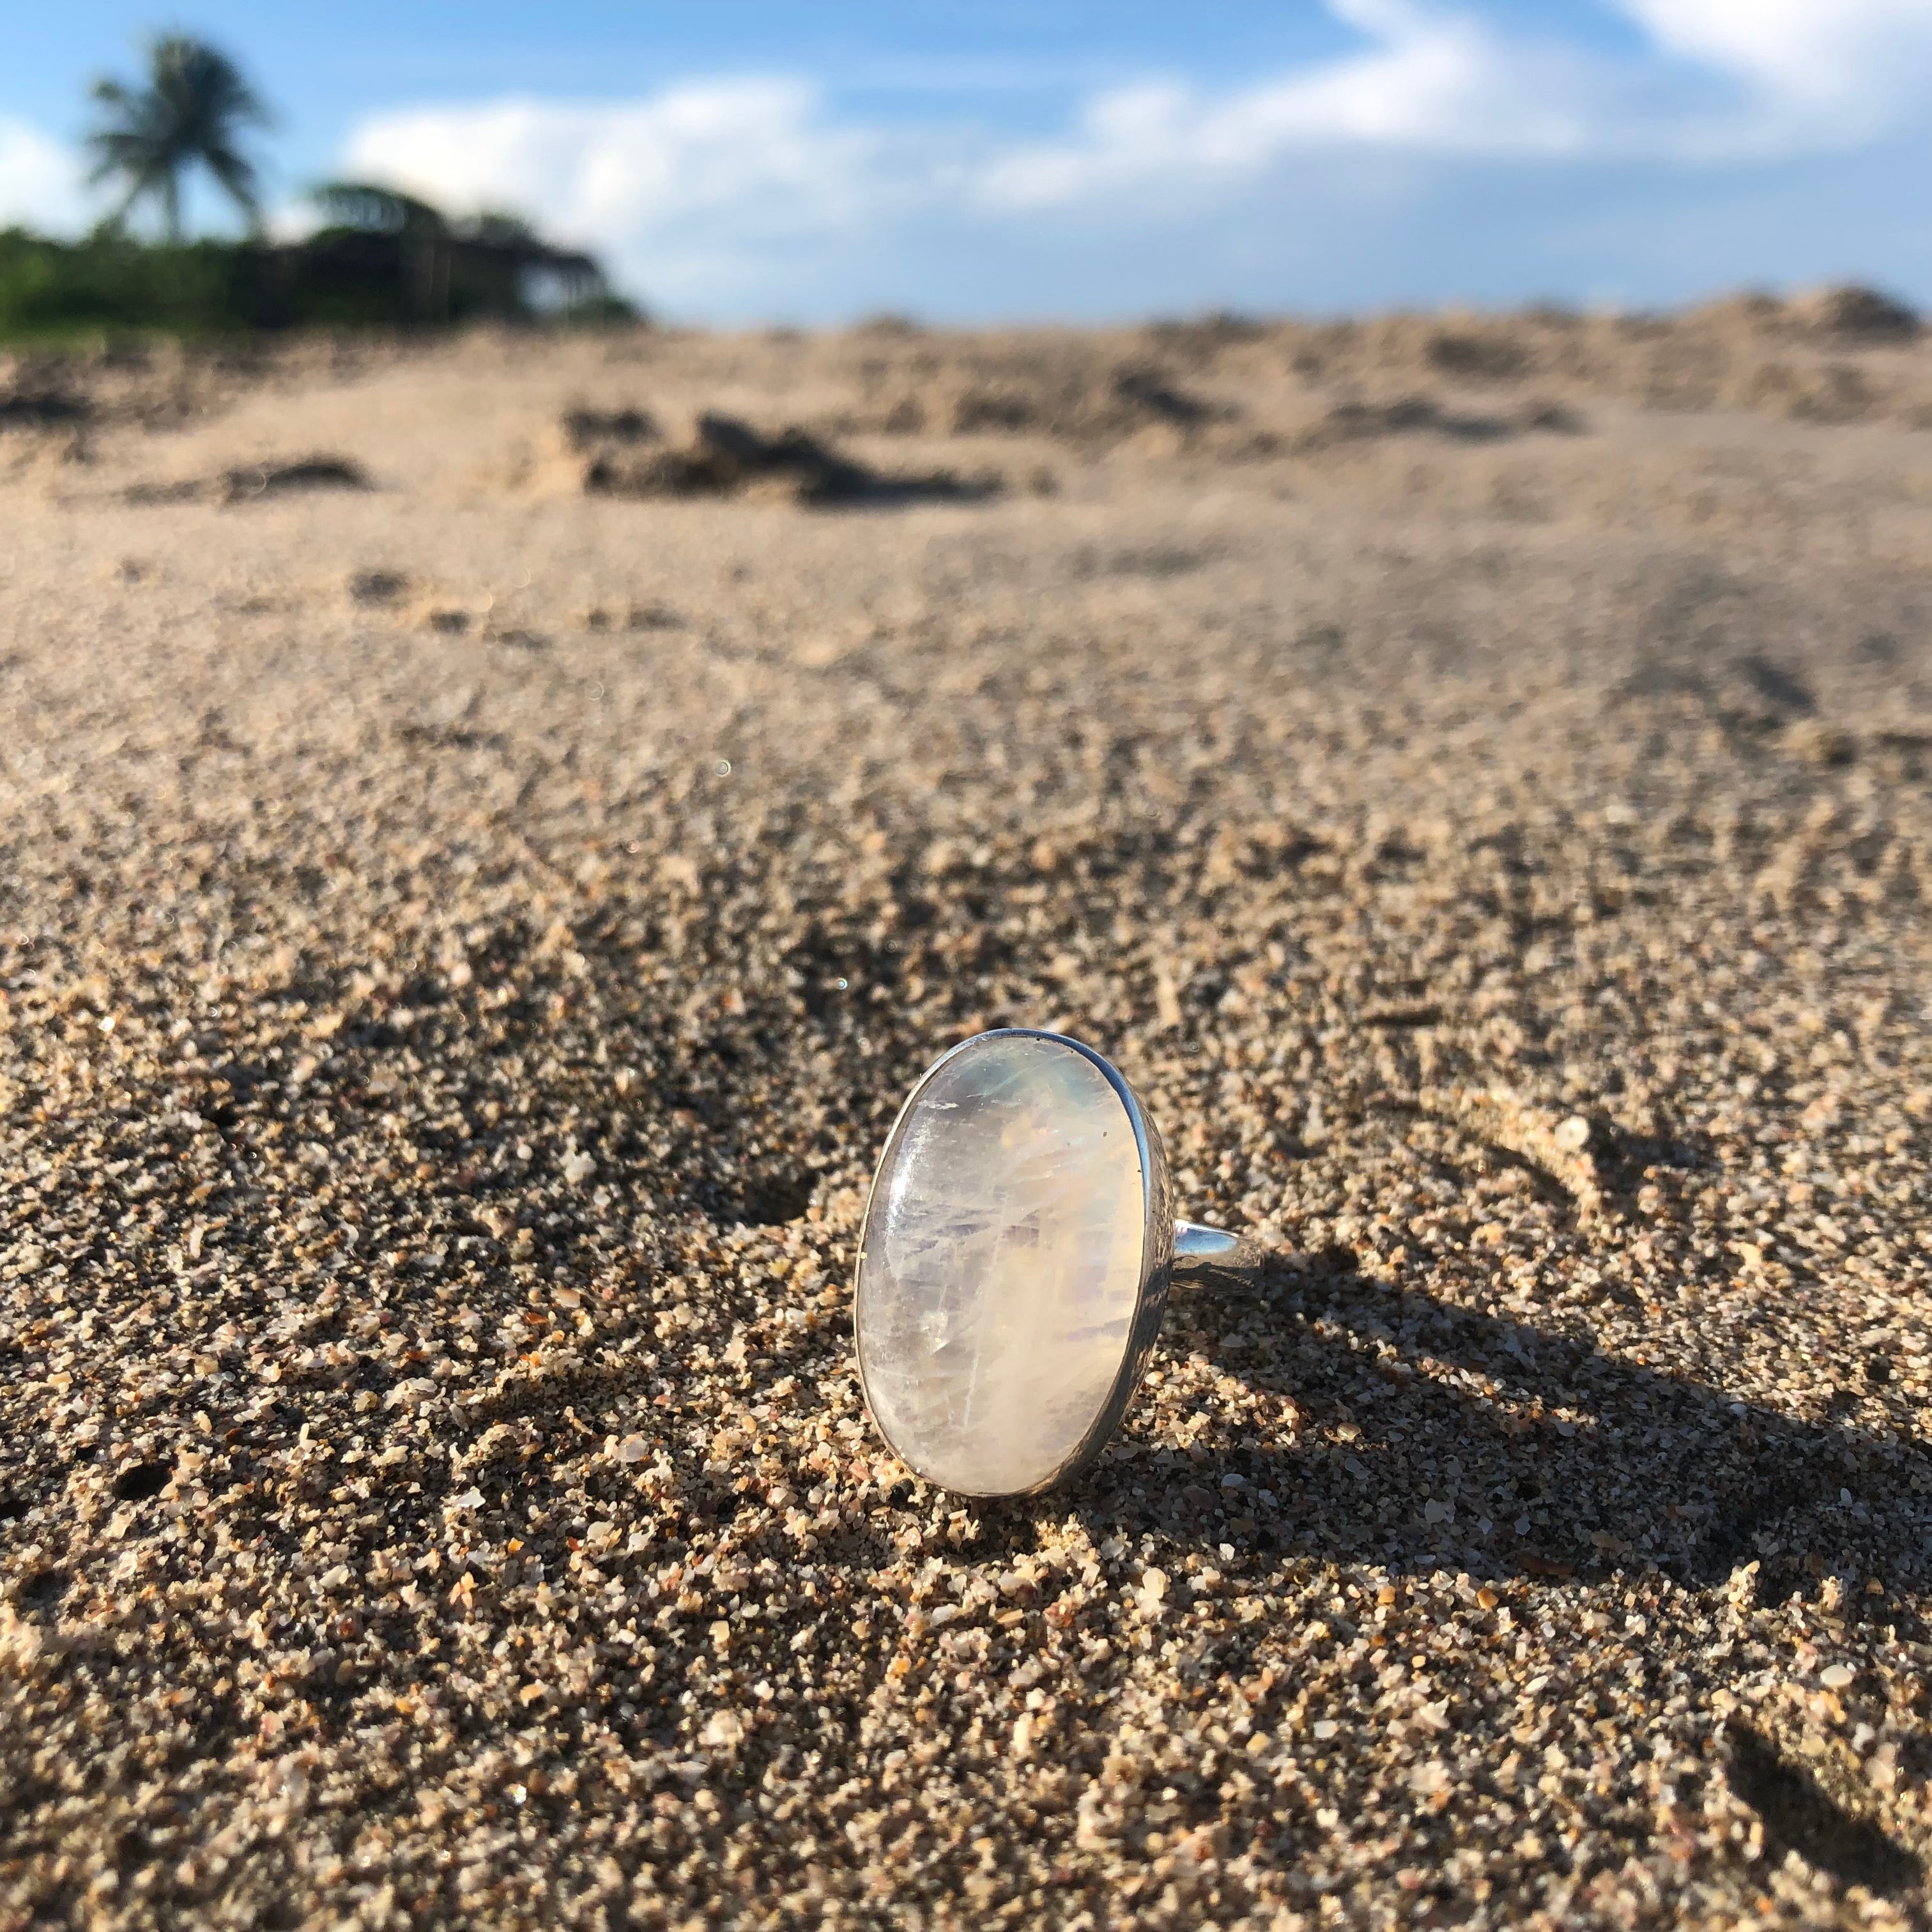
378	257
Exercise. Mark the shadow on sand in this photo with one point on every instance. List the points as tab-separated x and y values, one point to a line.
1516	1450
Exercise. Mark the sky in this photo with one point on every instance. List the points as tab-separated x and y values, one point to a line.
970	161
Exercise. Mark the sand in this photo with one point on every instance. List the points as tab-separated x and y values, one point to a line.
475	894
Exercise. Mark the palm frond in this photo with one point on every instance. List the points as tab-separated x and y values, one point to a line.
387	210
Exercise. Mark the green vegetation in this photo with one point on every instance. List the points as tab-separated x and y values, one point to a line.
383	260
108	284
52	291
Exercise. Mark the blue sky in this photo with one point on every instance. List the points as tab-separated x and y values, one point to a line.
749	161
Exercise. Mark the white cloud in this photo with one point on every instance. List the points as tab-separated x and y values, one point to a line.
1865	57
1728	80
1429	82
718	192
40	179
689	185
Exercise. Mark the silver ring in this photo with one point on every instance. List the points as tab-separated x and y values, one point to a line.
1015	1263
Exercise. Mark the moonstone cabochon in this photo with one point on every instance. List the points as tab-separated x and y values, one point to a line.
1014	1264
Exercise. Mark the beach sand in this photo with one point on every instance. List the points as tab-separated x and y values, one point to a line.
479	869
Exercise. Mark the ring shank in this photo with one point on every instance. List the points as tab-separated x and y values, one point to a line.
1197	1247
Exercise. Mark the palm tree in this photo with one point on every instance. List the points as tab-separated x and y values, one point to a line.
190	109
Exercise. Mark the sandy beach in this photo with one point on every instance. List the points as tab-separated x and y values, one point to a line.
489	833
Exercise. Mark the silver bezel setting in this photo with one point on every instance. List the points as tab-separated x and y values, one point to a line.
1157	1262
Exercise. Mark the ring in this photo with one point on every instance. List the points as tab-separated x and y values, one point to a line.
1014	1262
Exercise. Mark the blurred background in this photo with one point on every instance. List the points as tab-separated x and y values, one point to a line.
749	161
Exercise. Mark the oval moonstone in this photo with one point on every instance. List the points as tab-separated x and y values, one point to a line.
1002	1268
